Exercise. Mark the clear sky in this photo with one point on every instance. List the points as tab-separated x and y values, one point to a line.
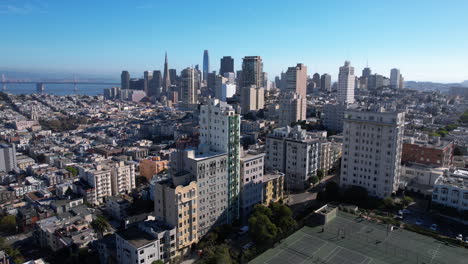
426	39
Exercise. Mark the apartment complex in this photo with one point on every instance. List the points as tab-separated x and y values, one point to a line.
146	242
152	166
372	151
273	187
251	173
175	203
434	152
294	152
451	190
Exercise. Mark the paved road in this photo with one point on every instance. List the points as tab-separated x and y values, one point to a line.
13	239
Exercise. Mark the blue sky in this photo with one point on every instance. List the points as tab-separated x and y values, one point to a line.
426	39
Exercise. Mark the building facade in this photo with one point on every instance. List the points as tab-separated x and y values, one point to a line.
372	151
346	84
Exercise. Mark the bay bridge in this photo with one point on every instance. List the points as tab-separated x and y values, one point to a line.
40	84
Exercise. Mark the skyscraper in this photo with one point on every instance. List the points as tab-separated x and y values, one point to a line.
366	72
173	76
206	64
316	80
166	77
155	84
395	78
296	80
346	82
147	77
252	69
189	86
372	151
293	104
125	80
325	82
252	98
227	65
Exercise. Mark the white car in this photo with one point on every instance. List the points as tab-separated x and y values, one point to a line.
434	227
460	237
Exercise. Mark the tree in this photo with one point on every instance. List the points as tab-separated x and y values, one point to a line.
157	262
407	200
388	202
313	179
262	230
320	174
8	224
140	181
282	217
100	225
72	170
260	209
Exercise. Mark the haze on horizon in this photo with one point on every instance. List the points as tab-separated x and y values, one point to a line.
426	40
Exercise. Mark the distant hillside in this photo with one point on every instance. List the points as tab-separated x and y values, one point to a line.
427	86
34	76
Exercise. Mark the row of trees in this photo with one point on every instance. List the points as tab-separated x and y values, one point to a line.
270	224
8	224
15	254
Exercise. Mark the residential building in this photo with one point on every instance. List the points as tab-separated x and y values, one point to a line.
293	108
152	166
251	172
294	152
333	115
273	187
419	178
435	152
346	84
220	132
7	157
451	190
372	151
175	203
296	80
252	98
117	206
146	242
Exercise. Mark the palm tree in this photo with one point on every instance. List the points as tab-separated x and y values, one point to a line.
100	225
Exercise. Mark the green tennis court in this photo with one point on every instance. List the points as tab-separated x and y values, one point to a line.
347	239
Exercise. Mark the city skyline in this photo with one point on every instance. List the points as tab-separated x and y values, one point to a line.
415	46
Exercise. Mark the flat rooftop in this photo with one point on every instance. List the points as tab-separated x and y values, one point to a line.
351	240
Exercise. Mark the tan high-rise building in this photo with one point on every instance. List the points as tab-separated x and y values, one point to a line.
293	103
293	108
252	71
252	98
296	80
190	86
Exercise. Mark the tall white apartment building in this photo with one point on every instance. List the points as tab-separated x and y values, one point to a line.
346	83
7	157
294	152
122	177
293	108
220	132
99	178
372	148
107	179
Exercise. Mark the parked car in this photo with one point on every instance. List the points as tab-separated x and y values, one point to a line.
406	211
419	222
434	227
460	237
